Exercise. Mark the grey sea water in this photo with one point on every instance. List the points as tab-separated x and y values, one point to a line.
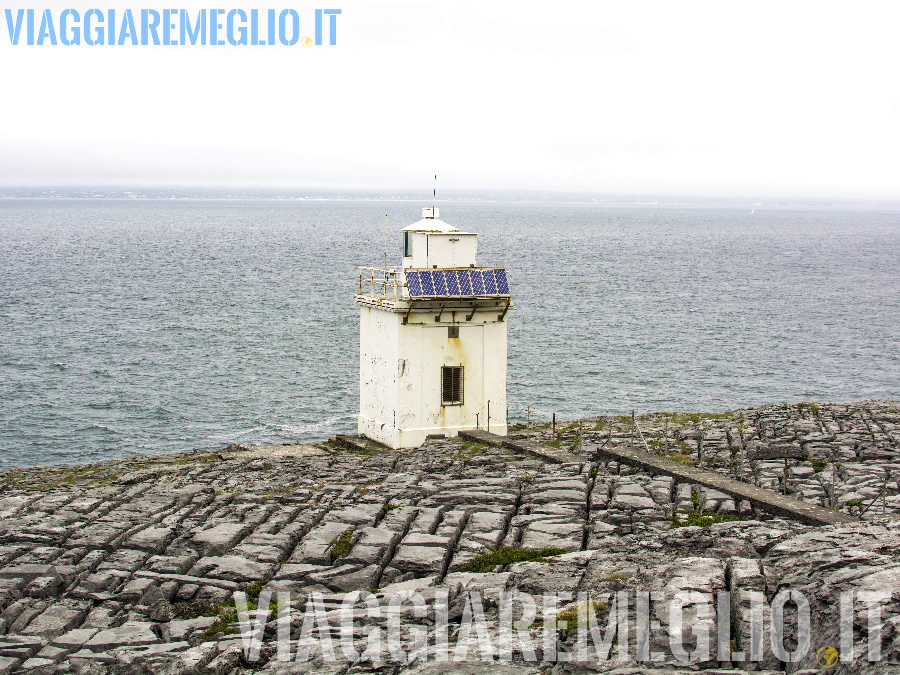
137	326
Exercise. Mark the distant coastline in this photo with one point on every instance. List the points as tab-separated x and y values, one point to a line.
130	193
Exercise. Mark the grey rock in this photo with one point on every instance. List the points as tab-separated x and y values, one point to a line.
158	607
29	609
632	502
152	539
217	540
74	639
86	662
423	560
298	571
543	534
38	666
131	633
230	568
134	590
21	646
182	630
54	621
359	579
364	555
44	586
417	539
55	654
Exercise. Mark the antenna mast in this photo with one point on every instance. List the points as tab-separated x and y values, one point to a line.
434	195
385	246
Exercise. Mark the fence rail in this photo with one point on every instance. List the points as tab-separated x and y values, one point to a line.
383	282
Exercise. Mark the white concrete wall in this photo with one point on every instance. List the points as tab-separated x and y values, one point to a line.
444	249
411	386
419	250
428	349
378	345
495	373
453	249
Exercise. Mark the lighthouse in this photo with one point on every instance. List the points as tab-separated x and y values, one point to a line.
432	339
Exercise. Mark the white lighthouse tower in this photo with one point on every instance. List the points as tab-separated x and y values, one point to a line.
432	339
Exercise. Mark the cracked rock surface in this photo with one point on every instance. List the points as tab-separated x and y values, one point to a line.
132	566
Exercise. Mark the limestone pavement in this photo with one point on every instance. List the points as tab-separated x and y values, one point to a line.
132	565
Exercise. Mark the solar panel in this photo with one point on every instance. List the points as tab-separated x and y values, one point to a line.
415	286
502	283
464	283
440	283
477	282
452	277
427	284
490	285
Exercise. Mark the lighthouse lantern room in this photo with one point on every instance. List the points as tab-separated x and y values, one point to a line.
432	339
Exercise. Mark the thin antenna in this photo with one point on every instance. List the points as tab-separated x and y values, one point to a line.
385	245
434	195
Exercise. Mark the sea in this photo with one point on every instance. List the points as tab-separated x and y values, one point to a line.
134	325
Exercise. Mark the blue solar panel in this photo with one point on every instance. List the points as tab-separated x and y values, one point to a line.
412	280
452	277
490	285
465	283
440	283
477	282
502	283
427	284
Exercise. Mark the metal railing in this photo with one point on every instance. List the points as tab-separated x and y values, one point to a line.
381	282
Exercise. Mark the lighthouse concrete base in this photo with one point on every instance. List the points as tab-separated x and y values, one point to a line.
410	438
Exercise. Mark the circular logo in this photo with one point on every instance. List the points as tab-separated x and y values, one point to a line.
827	656
306	41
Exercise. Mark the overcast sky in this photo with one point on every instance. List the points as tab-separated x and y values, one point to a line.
719	97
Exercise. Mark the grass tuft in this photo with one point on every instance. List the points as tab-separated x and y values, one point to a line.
812	407
577	615
468	451
196	608
616	576
225	613
222	625
681	458
694	518
695	418
342	545
507	555
253	590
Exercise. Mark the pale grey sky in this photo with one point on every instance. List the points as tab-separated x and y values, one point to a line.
726	96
